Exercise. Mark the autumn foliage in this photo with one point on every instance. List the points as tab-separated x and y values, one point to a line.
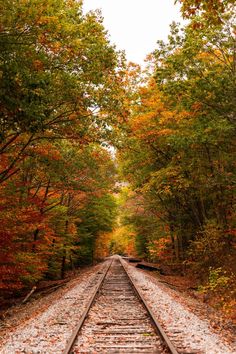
59	88
67	96
179	151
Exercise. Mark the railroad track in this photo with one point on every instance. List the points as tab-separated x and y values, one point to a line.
117	319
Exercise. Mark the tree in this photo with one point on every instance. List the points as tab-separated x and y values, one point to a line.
60	99
212	11
59	76
179	143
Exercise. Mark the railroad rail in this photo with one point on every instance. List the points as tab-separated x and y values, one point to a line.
117	319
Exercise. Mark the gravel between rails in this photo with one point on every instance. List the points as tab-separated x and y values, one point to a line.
186	330
48	332
117	321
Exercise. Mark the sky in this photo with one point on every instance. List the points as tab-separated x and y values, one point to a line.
136	25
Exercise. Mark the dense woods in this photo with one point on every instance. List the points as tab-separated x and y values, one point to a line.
179	150
67	97
59	93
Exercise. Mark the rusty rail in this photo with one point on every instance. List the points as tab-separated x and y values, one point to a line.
156	325
75	332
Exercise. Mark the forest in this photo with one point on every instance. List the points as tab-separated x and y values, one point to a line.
99	156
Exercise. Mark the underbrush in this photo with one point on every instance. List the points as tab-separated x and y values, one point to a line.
212	262
220	291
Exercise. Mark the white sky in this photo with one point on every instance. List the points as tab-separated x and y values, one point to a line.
136	25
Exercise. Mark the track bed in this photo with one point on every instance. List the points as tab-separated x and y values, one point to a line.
117	321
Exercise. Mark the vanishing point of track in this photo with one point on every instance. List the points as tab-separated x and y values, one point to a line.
117	319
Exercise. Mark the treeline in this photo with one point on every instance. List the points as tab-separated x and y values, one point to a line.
179	144
60	87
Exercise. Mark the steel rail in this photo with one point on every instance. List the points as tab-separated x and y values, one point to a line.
75	332
157	326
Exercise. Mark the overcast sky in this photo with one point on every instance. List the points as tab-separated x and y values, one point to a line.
136	25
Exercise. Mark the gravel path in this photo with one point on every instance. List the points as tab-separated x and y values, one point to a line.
185	329
48	332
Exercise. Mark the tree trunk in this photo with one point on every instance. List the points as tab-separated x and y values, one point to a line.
36	232
63	263
174	242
